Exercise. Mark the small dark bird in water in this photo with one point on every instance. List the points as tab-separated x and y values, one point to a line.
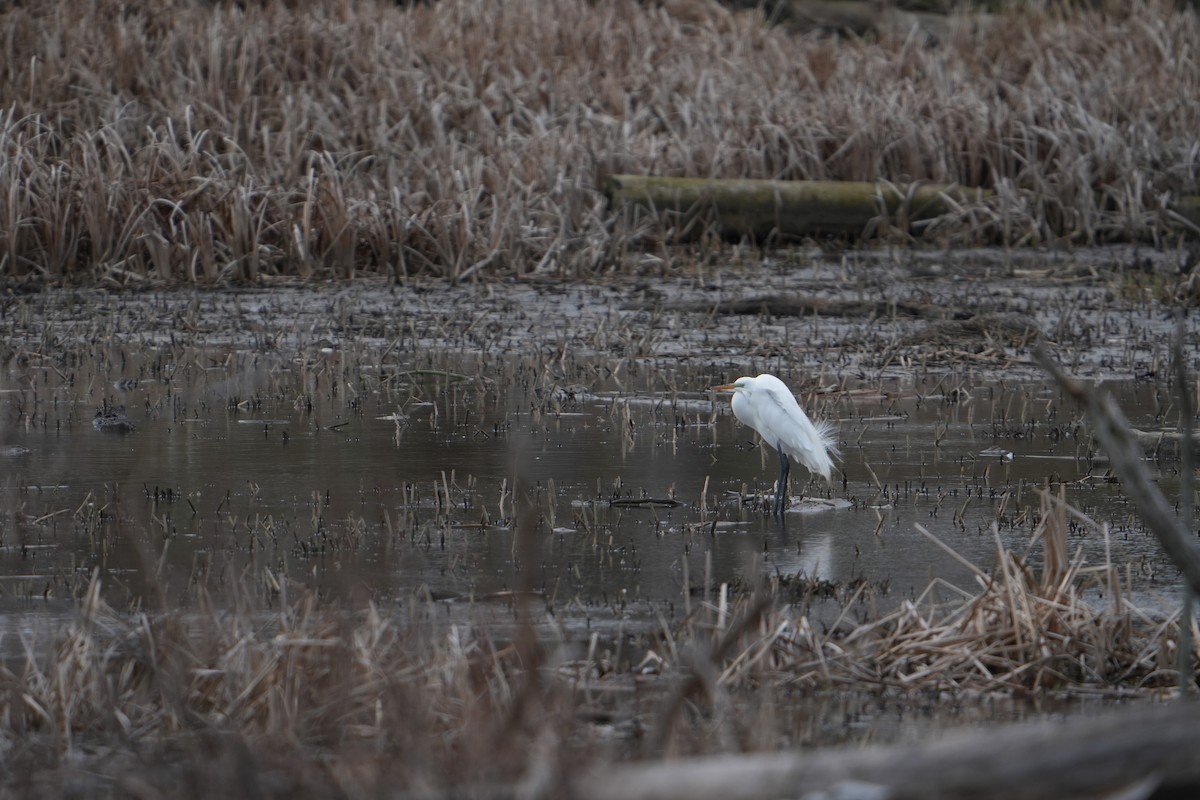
115	420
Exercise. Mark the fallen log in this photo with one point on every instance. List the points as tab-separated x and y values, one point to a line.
1138	750
765	209
856	17
762	209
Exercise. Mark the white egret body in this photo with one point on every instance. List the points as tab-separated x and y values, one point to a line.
768	406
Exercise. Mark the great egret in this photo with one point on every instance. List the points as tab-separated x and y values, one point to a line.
768	406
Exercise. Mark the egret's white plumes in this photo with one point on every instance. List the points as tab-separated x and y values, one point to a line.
767	405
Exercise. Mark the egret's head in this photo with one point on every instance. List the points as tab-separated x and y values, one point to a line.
740	385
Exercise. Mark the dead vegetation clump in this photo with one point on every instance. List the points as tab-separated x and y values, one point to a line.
1061	626
300	701
212	142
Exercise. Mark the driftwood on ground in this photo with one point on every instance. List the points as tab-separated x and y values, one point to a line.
1144	749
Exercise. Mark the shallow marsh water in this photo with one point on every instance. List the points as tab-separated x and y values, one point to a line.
371	440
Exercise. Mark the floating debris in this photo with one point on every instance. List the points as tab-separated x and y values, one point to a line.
115	420
813	505
655	502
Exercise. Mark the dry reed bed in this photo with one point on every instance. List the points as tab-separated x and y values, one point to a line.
206	142
305	698
235	700
1042	621
1057	625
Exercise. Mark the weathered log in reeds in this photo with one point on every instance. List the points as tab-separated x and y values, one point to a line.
856	17
765	209
769	209
1149	748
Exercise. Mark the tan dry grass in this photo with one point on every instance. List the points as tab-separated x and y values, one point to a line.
1065	626
206	142
236	702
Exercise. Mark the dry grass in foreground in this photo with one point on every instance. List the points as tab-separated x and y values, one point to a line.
201	142
308	701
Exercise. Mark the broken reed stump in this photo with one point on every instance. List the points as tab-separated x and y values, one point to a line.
1148	748
765	209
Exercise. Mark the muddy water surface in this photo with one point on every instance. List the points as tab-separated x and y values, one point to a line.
370	441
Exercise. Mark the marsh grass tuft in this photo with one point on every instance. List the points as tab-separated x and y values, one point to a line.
274	691
1060	625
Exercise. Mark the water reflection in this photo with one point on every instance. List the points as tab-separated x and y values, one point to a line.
363	484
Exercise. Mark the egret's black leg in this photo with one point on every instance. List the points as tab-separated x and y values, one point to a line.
781	487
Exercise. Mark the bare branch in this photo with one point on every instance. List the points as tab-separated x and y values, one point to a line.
1112	430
